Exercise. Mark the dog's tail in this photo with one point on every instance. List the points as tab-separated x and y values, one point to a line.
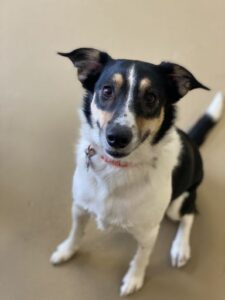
213	114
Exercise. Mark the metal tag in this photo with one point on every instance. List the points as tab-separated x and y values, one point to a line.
90	151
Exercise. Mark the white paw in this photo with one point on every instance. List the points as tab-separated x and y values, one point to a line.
131	284
63	253
180	253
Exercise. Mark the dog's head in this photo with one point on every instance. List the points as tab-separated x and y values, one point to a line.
129	101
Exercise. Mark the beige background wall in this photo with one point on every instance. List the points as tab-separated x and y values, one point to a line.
39	96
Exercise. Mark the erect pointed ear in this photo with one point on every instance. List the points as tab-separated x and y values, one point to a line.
89	63
179	80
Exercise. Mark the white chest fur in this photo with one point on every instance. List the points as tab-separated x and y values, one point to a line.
136	196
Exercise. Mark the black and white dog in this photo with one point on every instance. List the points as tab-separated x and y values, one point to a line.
133	164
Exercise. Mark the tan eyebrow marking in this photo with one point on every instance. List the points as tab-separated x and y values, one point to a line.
118	80
144	84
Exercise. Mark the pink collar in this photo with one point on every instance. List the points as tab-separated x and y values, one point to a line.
115	163
90	151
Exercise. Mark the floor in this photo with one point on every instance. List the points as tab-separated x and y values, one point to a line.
39	124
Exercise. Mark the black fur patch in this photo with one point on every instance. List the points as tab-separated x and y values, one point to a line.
168	121
87	106
188	174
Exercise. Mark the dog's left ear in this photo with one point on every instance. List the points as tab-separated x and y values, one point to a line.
89	63
179	80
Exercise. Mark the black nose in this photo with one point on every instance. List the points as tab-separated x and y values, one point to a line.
118	136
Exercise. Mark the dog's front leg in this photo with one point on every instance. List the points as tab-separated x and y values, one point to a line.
134	278
70	246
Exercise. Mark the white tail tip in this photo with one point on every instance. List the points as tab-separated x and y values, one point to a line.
215	109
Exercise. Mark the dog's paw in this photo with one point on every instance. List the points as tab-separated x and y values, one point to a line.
131	284
63	253
180	253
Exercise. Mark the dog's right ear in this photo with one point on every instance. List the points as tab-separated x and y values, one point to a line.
89	63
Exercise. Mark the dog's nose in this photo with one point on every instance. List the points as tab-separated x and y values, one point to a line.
118	136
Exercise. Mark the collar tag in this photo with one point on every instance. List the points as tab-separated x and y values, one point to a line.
90	151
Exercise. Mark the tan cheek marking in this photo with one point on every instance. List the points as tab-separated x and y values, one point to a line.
150	124
118	80
144	84
103	117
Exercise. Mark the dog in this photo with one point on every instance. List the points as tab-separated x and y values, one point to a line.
133	165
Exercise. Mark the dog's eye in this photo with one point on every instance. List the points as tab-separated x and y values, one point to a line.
151	99
107	92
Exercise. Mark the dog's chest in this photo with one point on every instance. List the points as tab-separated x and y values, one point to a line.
136	196
124	198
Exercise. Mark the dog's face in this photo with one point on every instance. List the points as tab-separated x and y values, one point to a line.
129	101
127	105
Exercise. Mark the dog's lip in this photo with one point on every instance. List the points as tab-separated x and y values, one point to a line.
116	154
